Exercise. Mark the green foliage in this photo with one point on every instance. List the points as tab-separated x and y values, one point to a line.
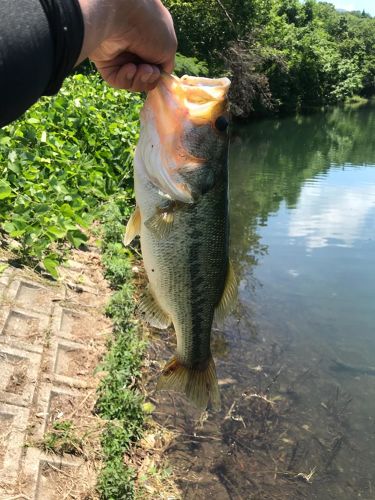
3	267
120	306
206	27
283	55
115	256
115	262
119	400
190	66
115	481
113	229
61	161
62	439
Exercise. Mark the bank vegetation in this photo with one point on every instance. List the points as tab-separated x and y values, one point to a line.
283	56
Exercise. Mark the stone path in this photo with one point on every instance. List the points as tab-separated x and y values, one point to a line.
51	339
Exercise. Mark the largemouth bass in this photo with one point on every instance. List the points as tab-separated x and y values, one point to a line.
181	188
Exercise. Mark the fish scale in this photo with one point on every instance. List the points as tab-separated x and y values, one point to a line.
189	274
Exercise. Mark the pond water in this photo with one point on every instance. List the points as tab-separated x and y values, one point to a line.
296	360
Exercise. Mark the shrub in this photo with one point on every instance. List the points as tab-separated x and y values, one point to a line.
61	161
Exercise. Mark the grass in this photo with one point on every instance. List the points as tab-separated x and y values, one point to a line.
62	439
120	401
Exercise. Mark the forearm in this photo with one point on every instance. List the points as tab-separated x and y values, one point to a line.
33	61
23	78
98	18
130	41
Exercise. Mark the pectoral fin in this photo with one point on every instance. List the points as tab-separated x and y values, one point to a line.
229	296
160	224
152	312
133	227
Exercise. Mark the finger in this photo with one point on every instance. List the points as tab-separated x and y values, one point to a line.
169	65
156	74
125	76
145	78
144	73
135	76
120	77
151	86
145	87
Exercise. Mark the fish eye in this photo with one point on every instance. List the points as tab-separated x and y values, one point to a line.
221	123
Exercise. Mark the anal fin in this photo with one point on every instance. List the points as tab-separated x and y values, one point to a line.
229	297
152	312
133	227
200	386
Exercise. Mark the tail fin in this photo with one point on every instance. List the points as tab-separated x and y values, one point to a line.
199	386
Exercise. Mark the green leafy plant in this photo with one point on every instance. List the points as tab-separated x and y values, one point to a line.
119	400
190	66
61	161
116	481
62	439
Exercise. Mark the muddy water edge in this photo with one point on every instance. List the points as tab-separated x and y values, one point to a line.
296	359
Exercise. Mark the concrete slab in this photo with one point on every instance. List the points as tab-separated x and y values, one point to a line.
13	424
33	295
23	328
45	473
19	375
50	344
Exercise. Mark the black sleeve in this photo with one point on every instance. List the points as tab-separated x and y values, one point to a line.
40	42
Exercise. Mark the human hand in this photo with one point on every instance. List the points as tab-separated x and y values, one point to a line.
130	41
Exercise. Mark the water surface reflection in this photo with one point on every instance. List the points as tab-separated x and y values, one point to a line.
296	359
336	210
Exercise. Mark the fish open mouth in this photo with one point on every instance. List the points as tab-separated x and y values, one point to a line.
202	99
171	111
188	99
